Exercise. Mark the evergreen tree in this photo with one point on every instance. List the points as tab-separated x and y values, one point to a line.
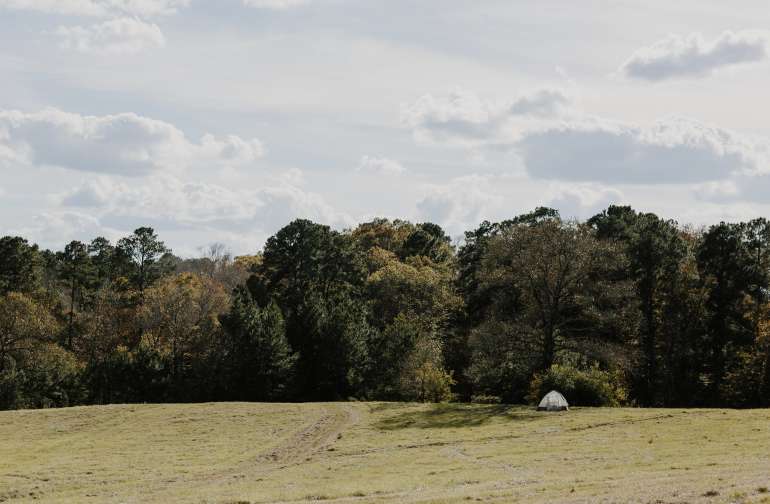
76	275
20	265
258	362
724	265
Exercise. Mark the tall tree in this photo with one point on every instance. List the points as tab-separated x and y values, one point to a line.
428	240
616	222
35	372
103	260
471	255
724	265
24	325
756	235
553	265
418	286
144	250
75	272
20	265
384	234
655	249
316	276
682	314
304	255
469	274
331	334
180	320
258	361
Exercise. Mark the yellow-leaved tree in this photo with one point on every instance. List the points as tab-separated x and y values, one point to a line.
180	317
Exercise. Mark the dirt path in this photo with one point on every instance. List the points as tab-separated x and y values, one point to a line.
318	436
296	449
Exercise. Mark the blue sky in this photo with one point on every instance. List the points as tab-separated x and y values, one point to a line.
221	121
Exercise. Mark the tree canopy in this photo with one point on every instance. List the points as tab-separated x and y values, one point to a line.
627	307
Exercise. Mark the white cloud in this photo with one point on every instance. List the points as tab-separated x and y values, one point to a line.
231	149
293	176
56	228
557	141
172	203
463	202
275	4
281	204
740	188
692	56
8	156
124	144
379	165
462	118
99	8
541	103
718	191
674	150
582	200
117	36
460	204
97	192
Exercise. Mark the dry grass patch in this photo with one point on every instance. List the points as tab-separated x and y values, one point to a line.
381	452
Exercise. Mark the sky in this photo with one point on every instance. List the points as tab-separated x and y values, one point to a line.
222	121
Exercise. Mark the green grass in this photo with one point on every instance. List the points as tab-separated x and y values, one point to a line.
381	452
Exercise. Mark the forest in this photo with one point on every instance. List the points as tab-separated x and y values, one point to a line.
626	308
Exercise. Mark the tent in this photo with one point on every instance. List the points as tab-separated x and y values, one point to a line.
553	401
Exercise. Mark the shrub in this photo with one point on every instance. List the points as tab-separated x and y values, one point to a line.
51	377
485	399
581	387
496	367
742	385
129	376
423	377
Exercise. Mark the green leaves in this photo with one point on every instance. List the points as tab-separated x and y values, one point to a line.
139	254
20	265
257	360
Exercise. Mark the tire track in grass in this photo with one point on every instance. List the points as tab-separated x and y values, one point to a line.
318	436
296	449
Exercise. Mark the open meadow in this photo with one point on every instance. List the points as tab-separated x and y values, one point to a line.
381	452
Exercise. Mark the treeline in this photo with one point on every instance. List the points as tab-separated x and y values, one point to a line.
626	308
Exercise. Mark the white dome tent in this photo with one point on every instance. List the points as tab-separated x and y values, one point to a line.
553	401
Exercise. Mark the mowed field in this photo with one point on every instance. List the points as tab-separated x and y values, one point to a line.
381	452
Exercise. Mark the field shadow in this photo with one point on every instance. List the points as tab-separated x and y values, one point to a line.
440	416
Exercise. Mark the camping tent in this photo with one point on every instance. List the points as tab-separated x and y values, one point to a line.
553	401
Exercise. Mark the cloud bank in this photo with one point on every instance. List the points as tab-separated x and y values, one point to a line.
379	165
123	144
125	32
99	8
116	36
170	203
462	118
461	203
582	201
679	56
274	4
557	141
674	150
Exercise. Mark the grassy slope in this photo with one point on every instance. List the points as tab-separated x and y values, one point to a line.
372	452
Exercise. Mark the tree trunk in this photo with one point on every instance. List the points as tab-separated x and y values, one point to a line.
764	389
650	354
549	346
71	324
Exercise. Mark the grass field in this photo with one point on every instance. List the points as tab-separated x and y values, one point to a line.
381	452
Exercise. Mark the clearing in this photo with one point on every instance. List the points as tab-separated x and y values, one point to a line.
381	452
